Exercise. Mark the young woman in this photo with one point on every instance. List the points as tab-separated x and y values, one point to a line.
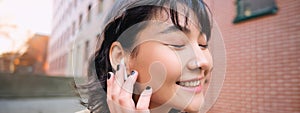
153	57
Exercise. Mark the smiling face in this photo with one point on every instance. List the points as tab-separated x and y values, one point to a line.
175	63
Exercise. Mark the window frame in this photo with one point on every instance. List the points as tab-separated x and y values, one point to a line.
240	16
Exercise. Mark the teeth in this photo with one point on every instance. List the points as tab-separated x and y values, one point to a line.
187	83
190	83
181	83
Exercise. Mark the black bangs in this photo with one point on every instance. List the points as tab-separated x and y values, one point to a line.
143	10
199	8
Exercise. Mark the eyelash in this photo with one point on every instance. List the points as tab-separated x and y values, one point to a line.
181	46
204	46
176	46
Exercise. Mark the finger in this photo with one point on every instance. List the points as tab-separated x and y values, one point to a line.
122	72
118	82
144	100
126	91
143	111
110	102
111	105
109	83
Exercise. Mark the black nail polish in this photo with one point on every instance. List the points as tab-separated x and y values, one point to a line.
148	88
118	67
108	76
132	73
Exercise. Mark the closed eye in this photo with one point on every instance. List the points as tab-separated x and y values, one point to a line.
203	46
175	46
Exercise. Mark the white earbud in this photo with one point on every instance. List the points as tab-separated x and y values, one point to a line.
125	72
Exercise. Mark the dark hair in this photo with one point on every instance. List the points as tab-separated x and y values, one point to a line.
134	13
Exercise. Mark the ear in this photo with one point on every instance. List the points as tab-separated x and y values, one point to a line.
116	53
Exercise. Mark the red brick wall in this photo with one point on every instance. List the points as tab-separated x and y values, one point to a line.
263	60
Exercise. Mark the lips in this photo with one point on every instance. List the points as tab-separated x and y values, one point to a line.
193	83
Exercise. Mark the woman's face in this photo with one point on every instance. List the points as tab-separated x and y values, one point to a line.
174	63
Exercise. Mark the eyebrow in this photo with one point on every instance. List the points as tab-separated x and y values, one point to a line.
174	29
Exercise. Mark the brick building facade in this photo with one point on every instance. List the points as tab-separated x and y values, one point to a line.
263	65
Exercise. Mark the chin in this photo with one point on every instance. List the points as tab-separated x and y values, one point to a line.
195	105
192	110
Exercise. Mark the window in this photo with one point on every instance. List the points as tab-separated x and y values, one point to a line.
75	3
80	21
73	28
247	9
77	59
89	13
86	55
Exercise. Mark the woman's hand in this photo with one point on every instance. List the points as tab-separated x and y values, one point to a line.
119	93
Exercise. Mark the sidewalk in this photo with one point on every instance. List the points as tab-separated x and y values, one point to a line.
41	105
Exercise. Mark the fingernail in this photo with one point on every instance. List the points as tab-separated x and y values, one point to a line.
147	91
132	73
118	67
108	76
148	88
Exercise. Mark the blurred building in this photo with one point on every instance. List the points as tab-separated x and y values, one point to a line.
262	41
76	24
33	60
30	58
6	62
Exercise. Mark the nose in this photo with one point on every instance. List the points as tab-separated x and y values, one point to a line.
200	61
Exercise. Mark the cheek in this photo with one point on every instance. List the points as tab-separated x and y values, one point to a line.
157	65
